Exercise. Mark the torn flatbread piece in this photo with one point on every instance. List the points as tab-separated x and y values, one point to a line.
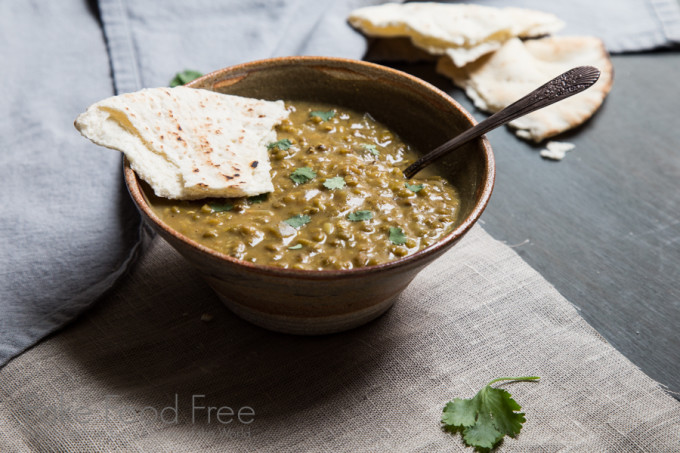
461	31
497	80
189	143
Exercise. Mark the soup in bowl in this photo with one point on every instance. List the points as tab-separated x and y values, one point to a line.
343	232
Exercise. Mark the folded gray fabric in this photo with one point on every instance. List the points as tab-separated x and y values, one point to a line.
623	25
140	371
68	229
148	44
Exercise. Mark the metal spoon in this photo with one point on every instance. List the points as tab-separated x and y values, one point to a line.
561	87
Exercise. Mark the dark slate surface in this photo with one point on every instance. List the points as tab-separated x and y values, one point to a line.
603	225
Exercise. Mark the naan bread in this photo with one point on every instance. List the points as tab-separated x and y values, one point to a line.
189	143
463	32
517	68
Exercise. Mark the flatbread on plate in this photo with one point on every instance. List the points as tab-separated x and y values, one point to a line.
461	31
189	143
518	67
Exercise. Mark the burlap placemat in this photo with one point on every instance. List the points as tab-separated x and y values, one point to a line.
131	373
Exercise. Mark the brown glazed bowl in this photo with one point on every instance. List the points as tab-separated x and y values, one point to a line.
320	302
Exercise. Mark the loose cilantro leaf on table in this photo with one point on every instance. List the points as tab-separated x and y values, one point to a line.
295	247
325	116
414	187
298	220
372	149
334	183
302	175
184	77
282	144
487	417
221	207
359	216
397	236
255	199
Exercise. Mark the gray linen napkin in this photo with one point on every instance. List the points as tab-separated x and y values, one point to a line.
161	348
148	44
67	228
623	25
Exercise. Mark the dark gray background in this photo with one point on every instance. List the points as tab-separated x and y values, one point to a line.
603	225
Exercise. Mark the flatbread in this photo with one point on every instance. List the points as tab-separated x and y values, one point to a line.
518	67
463	32
189	143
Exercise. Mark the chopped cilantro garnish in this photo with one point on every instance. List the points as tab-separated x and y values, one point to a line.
397	236
298	220
282	144
325	116
221	207
372	149
487	417
184	77
337	182
295	247
414	187
359	216
302	175
258	198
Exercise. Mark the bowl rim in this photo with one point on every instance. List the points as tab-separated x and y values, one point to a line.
134	188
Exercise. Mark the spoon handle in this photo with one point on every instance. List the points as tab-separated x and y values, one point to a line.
561	87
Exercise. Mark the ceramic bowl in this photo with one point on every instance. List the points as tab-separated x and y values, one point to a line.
320	302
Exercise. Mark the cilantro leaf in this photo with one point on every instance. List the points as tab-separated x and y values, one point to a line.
302	175
487	417
221	207
298	220
283	144
372	149
482	434
337	182
258	198
414	187
359	216
184	77
397	236
295	247
460	412
325	116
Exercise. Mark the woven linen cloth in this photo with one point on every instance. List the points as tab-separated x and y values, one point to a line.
161	349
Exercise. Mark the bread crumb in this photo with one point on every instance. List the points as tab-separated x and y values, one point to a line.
556	150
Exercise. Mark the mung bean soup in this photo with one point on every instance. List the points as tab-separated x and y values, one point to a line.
340	199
